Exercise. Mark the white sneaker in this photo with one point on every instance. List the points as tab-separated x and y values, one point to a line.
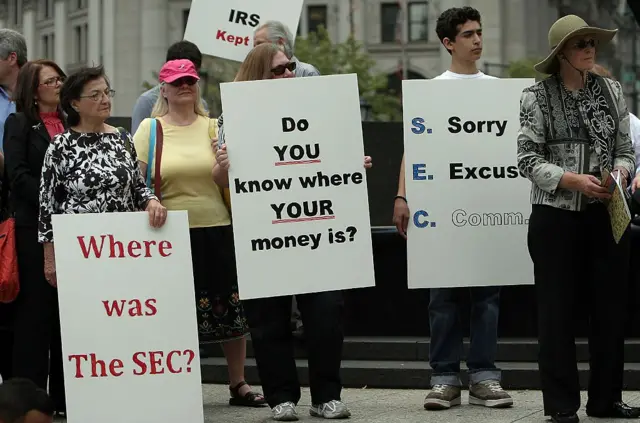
285	412
330	410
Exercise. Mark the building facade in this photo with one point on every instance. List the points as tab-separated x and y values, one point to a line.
130	37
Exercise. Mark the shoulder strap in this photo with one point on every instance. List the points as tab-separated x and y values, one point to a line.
158	159
152	144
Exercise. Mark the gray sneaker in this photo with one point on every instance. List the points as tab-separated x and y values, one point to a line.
285	412
330	410
489	393
442	397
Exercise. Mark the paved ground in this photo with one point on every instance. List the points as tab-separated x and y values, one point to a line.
393	406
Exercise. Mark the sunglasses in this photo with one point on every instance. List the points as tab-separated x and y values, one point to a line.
582	44
184	80
280	69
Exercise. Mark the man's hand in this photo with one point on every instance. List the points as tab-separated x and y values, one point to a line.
401	216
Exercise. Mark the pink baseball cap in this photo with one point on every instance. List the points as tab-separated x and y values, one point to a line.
176	69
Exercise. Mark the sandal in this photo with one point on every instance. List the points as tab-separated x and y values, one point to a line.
250	399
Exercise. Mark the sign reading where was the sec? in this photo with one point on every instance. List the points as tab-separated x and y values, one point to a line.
225	28
469	203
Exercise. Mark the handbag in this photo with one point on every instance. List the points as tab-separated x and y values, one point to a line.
9	276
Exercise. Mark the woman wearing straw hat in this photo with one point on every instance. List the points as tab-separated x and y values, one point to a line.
574	132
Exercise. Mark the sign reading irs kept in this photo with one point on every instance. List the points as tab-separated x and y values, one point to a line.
225	28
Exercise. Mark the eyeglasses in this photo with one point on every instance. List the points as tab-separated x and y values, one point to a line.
582	44
97	96
184	80
280	69
53	81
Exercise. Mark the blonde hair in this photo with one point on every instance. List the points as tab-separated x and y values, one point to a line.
161	107
257	64
602	71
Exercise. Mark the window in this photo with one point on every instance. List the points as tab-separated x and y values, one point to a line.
418	21
389	18
48	46
45	9
185	19
81	33
316	16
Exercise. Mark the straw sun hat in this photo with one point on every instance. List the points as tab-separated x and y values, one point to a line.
564	29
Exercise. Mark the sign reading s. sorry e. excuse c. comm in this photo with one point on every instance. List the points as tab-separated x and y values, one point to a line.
225	28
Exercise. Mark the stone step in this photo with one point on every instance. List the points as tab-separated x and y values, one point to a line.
417	349
393	374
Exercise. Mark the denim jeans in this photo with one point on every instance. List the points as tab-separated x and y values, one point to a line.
446	348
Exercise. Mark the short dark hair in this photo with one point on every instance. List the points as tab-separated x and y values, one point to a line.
449	21
20	396
185	50
72	89
27	87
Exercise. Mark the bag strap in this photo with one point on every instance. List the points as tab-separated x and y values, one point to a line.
158	159
152	144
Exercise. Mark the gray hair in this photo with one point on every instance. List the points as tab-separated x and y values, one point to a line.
13	42
275	32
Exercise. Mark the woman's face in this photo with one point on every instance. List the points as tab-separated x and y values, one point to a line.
580	51
95	100
180	91
49	84
281	67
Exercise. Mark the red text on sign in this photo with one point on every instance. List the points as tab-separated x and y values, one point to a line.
135	308
117	249
151	362
98	367
233	39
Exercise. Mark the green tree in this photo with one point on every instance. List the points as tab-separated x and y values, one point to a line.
523	68
350	57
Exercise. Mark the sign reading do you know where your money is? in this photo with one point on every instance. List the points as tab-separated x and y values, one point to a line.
469	204
128	318
225	28
298	185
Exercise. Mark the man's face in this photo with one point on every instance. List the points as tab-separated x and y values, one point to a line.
468	43
6	65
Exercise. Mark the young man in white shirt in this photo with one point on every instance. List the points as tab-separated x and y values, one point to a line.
460	32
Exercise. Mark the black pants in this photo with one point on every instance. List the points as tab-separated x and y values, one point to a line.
575	251
37	349
322	316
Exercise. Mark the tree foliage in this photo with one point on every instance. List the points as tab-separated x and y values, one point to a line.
349	57
523	68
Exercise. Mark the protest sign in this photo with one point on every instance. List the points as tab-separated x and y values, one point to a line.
128	318
298	185
225	28
469	203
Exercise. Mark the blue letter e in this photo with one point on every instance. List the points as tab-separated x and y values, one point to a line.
418	127
416	219
419	171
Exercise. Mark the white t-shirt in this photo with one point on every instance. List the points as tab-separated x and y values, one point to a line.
453	75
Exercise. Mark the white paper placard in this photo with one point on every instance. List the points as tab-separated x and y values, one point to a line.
469	203
128	319
290	239
225	28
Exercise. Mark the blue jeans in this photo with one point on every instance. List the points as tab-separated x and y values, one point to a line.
446	346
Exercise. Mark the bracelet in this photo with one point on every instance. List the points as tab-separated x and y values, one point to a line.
400	196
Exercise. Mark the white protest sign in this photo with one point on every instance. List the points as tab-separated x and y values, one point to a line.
225	28
128	318
298	185
469	203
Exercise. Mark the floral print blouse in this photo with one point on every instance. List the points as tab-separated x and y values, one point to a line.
90	173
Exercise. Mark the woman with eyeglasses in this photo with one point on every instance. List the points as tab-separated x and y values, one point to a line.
573	142
92	167
181	172
269	318
37	349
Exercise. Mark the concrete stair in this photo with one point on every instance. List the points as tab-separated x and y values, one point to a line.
402	363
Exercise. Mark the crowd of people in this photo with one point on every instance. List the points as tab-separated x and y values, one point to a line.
59	155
